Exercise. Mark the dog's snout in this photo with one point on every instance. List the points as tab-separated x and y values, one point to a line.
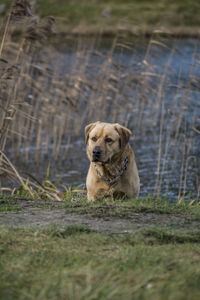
97	150
96	153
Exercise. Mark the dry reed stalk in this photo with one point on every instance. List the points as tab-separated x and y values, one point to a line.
7	23
182	168
15	172
60	137
142	97
8	117
165	155
162	105
130	107
187	160
38	141
187	145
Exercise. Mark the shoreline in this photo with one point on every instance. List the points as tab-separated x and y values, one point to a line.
127	32
127	18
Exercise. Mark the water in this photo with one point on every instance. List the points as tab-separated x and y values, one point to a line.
153	88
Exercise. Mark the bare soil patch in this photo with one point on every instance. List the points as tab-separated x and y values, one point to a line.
42	213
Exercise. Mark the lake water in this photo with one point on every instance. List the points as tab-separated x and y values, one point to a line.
152	87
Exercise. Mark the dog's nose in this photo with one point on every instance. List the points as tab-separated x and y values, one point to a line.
96	153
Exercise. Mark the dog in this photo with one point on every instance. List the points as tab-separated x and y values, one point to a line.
113	171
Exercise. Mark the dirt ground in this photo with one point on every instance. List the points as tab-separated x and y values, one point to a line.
35	214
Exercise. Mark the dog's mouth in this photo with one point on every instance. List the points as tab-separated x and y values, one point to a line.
97	159
94	159
100	160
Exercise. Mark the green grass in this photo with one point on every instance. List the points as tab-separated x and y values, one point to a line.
136	13
9	208
139	16
12	203
124	208
8	203
75	263
104	208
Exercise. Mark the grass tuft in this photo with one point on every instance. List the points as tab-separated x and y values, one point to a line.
10	208
69	231
162	237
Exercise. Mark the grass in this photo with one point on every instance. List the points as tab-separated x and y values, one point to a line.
8	208
127	207
106	208
135	16
131	16
75	263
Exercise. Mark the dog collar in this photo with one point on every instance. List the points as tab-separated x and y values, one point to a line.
116	178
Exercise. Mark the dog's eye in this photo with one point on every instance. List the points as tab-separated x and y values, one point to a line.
94	139
108	140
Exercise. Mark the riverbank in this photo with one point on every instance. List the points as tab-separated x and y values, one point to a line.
127	31
130	17
102	250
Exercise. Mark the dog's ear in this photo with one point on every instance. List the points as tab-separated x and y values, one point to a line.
88	128
124	134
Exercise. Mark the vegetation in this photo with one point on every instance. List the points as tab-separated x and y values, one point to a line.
104	208
125	208
76	263
131	16
135	16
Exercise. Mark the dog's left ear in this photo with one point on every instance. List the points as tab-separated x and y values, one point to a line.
124	134
88	128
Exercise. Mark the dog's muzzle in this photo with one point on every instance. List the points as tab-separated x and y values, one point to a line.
96	154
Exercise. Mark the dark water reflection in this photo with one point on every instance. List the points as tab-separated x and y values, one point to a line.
155	91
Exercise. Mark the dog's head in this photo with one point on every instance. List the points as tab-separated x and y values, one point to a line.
105	141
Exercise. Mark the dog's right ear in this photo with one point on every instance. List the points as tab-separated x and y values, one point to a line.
88	128
124	134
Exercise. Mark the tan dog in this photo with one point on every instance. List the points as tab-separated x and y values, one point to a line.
113	172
